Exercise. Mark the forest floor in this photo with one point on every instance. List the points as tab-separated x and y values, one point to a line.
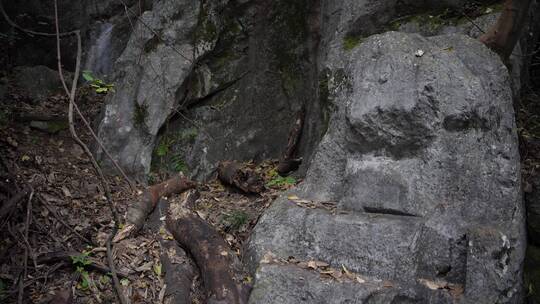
52	238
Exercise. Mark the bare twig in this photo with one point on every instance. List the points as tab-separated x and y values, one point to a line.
473	23
26	249
27	31
97	168
157	35
59	219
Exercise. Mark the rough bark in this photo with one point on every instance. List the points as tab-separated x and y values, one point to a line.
288	162
504	35
138	213
240	176
211	254
179	271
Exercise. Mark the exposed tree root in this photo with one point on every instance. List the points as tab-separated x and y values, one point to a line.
64	296
137	214
240	176
178	269
288	162
504	35
211	254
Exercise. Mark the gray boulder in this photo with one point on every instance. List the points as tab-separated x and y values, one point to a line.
147	75
421	161
38	81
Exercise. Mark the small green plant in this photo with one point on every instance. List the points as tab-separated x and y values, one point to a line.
189	134
351	41
99	85
235	220
164	146
279	181
104	279
80	262
178	164
82	259
85	279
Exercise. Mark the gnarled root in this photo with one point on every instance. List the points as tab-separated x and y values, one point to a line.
138	213
211	254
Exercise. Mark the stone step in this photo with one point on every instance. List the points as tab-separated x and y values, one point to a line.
378	245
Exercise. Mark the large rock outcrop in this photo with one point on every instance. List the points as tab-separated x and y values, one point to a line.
247	68
159	56
421	161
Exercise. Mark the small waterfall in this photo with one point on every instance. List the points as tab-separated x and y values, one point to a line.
98	59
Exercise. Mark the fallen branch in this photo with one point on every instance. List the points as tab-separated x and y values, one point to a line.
240	176
27	248
63	256
137	214
211	254
287	162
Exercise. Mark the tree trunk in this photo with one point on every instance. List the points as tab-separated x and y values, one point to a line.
504	35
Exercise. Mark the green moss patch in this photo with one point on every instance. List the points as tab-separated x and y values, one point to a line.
351	41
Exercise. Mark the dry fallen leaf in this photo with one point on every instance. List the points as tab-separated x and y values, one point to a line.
66	192
431	284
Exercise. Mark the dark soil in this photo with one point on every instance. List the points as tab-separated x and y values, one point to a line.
65	189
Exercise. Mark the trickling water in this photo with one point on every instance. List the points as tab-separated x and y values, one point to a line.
99	59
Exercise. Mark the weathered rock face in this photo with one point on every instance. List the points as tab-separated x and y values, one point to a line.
241	99
147	74
421	159
246	69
